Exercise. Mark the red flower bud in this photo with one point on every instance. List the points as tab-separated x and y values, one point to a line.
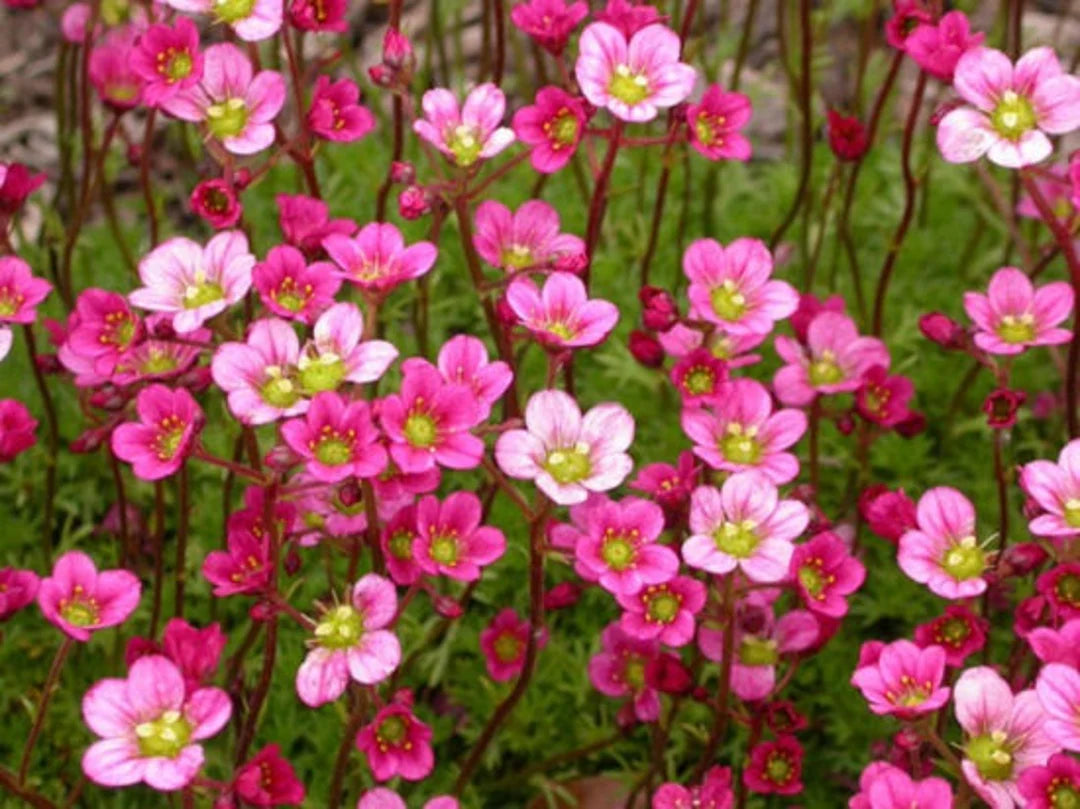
943	330
667	673
1001	407
414	202
562	595
847	136
659	310
402	173
646	349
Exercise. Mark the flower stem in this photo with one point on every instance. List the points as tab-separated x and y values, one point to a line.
598	203
183	517
53	445
51	681
722	714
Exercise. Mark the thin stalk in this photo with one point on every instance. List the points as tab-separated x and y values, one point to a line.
53	443
159	555
144	176
52	679
721	708
183	516
807	133
598	203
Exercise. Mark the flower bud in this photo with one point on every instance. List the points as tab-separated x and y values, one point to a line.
562	595
414	202
1001	407
943	330
659	310
646	349
402	173
847	136
448	608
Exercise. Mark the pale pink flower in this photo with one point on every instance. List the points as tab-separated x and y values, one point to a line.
883	786
904	680
252	20
336	438
160	441
942	551
561	314
383	798
1055	487
714	792
259	375
468	133
526	239
1013	315
376	259
1058	689
80	600
20	291
337	352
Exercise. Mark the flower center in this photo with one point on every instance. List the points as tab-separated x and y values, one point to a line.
758	651
736	539
174	65
1062	795
1072	512
813	579
953	632
290	296
634	673
964	560
400	545
420	430
340	628
10	301
334	449
278	390
1067	589
562	130
629	87
392	731
517	257
727	301
778	768
169	437
568	465
322	372
1013	116
700	380
230	11
80	609
158	361
991	755
560	330
507	648
464	143
115	12
201	292
445	549
1017	328
824	370
740	446
228	118
709	128
911	693
164	737
617	551
119	329
661	605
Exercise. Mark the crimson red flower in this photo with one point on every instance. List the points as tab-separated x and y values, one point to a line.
883	399
667	673
17	428
269	780
16	184
887	513
943	330
775	768
959	631
1001	407
847	136
1060	586
659	309
217	203
646	349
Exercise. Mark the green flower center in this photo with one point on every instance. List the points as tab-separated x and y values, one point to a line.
445	549
1068	589
10	301
911	693
758	651
778	769
115	12
278	390
333	449
158	362
813	580
727	301
174	65
119	329
736	539
230	11
1013	116
340	628
79	610
1017	328
289	296
201	292
507	648
164	737
824	370
464	143
167	441
560	330
617	551
228	118
1072	512
661	605
562	130
634	673
568	465
700	380
964	560
392	731
517	257
991	756
629	87
321	373
420	430
740	445
400	545
953	632
709	128
1063	796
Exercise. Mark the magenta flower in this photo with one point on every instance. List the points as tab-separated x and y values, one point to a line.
319	15
20	291
243	567
376	259
775	768
450	540
731	287
336	113
292	288
552	127
1005	735
468	133
1057	645
18	589
150	727
268	779
167	59
549	23
937	48
259	375
337	352
397	743
668	485
825	573
351	641
1051	785
396	541
100	331
882	399
336	438
561	314
618	546
527	239
664	611
904	681
1012	108
632	76
619	671
382	798
833	361
1014	315
1055	487
743	524
463	360
941	551
160	441
111	72
305	222
217	203
1060	586
629	16
251	20
738	431
714	792
17	429
883	786
714	124
194	283
236	106
1058	689
80	600
504	642
958	631
565	454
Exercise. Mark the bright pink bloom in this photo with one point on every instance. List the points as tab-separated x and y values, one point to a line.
738	431
825	573
883	786
268	779
715	123
1057	645
80	600
731	287
618	546
382	798
959	631
152	359
744	525
664	611
668	485
714	792
377	260
619	670
561	314
167	59
942	551
237	106
1055	487
888	514
196	652
336	438
1052	785
351	642
632	76
216	202
292	288
160	441
1013	108
150	726
468	133
111	72
259	375
17	429
907	16
450	540
252	20
503	643
194	283
629	16
937	48
244	567
397	743
699	376
305	222
565	454
463	360
882	399
526	239
549	22
775	768
100	332
552	126
680	340
1014	315
18	589
319	15
904	681
336	113
20	291
16	184
1058	689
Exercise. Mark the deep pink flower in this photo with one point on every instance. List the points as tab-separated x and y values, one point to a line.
618	546
112	74
699	376
629	16
467	133
525	239
810	306
244	567
1057	645
376	259
714	792
80	600
160	441
632	76
739	431
659	311
259	375
883	399
251	20
17	429
552	126
942	551
382	798
566	454
1014	315
216	202
775	768
883	786
561	314
664	611
1061	587
319	15
336	438
16	184
889	514
463	360
907	16
20	291
351	641
450	540
848	138
619	670
292	288
680	340
668	485
905	680
196	652
336	113
1012	108
958	631
825	573
167	59
714	124
397	743
1055	487
268	779
503	643
18	589
549	22
1050	785
305	222
937	48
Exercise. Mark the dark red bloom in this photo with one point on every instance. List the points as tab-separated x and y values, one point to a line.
782	717
1022	558
269	780
318	15
217	203
883	399
699	376
959	631
914	424
629	17
667	673
646	349
659	309
562	595
907	16
775	768
1001	407
1060	586
413	202
887	513
847	136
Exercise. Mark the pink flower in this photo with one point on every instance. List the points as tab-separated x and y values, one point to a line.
382	798
167	59
825	573
959	631
1004	732
503	643
158	444
244	567
848	137
17	429
20	291
305	222
730	286
618	546
937	48
744	525
336	438
111	72
397	743
1014	315
376	259
80	600
561	314
552	126
1055	487
463	360
549	22
632	76
888	514
714	124
259	375
738	431
292	288
1057	645
337	352
904	681
194	283
942	552
714	792
237	106
775	768
1013	108
196	652
907	16
450	540
834	360
629	16
699	377
1051	785
319	15
565	454
664	611
18	589
668	485
468	133
619	670
527	239
268	779
351	641
16	184
1060	586
150	728
101	331
252	20
1058	689
216	202
883	786
882	399
336	113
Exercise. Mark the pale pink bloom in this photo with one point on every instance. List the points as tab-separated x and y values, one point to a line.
237	106
1013	315
1057	645
744	525
833	361
632	78
351	641
681	340
194	283
1055	487
20	291
732	287
618	545
150	726
80	600
450	540
468	133
664	611
714	792
561	314
1005	735
942	551
905	680
383	798
290	287
526	239
259	375
397	743
160	441
739	431
463	360
376	259
252	20
565	454
619	670
883	786
337	352
336	438
1058	688
1013	108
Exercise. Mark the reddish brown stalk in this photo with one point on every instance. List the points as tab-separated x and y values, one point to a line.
35	799
53	445
52	679
144	176
598	203
722	712
183	517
